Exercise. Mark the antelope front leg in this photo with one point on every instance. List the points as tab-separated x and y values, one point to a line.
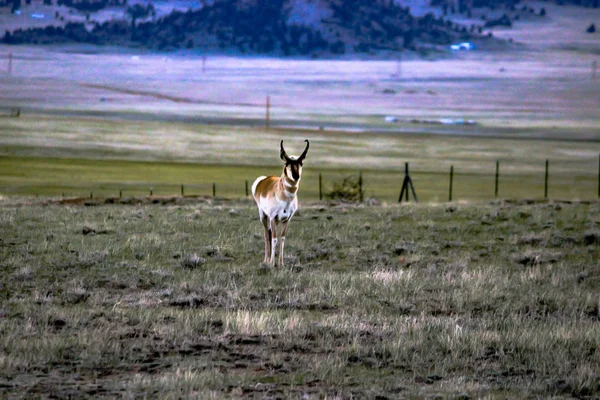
284	227
267	245
265	222
273	242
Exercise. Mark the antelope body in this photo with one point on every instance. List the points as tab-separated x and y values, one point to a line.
277	201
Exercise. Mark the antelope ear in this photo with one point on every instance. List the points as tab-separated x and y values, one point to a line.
283	154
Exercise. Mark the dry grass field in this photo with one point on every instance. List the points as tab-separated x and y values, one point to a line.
171	301
518	93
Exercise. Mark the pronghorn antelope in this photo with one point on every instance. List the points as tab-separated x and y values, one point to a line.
277	202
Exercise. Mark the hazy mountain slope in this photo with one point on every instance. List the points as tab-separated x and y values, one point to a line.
274	27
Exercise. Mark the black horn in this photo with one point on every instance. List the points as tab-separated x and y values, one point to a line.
301	158
283	154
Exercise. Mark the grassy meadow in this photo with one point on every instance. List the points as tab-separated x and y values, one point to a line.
468	301
73	157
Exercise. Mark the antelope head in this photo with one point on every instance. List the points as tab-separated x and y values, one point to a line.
293	165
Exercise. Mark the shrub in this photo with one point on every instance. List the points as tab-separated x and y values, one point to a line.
349	189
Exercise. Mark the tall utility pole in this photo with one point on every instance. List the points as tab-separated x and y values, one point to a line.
268	116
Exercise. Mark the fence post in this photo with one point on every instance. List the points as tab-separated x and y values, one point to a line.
405	175
321	187
407	185
360	186
594	68
247	194
497	178
91	195
546	181
182	191
268	115
151	190
120	193
451	179
214	190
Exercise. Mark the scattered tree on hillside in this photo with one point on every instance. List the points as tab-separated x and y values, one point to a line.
138	11
504	20
90	5
16	6
591	28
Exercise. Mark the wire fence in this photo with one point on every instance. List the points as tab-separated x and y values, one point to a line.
560	180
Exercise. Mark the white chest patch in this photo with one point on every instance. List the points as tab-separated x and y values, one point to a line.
279	210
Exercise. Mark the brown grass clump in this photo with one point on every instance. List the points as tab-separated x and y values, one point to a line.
348	189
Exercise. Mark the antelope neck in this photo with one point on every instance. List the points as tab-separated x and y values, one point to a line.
289	185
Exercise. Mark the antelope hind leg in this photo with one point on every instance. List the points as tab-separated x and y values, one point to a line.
284	228
273	242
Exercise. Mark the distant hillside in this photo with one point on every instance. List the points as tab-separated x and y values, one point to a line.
304	28
312	28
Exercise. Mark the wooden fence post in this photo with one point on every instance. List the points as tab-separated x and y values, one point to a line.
451	179
321	187
151	190
497	178
247	194
407	185
120	193
546	180
406	174
360	186
214	190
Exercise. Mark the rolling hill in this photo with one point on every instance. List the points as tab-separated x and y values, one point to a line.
305	28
